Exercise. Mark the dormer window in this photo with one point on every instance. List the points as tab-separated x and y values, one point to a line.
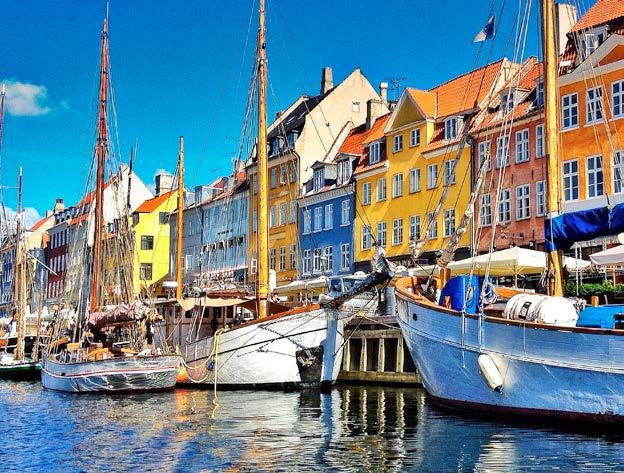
344	172
507	101
592	40
375	152
539	93
291	138
452	126
319	179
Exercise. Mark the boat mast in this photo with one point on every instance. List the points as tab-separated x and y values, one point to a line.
19	283
101	151
263	172
180	219
551	129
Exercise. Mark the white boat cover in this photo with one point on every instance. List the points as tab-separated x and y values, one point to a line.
510	262
610	257
190	302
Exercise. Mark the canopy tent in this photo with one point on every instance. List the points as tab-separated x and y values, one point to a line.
511	262
190	302
611	257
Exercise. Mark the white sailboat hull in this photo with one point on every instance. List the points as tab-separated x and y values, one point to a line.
127	374
300	349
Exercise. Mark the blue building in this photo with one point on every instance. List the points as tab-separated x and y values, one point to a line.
326	217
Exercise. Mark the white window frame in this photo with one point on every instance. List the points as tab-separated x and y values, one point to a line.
452	127
318	219
571	176
449	222
522	146
432	234
415	137
397	143
414	180
540	141
502	151
449	172
366	193
617	99
329	217
307	262
484	150
345	257
382	191
432	177
307	221
485	210
504	206
367	237
414	227
397	185
345	213
293	212
317	260
283	217
594	176
374	152
569	111
523	202
594	106
397	231
328	259
382	234
319	179
618	171
540	198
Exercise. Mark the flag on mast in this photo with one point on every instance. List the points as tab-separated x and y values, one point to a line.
486	32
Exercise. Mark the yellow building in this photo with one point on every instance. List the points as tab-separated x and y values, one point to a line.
402	179
151	243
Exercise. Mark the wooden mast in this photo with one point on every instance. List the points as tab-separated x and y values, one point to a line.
19	282
180	219
101	151
555	258
263	172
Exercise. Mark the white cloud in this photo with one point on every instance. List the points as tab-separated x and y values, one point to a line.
31	216
28	100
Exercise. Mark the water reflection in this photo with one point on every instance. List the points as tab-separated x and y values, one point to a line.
352	429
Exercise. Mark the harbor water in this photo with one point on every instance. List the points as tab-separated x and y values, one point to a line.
351	429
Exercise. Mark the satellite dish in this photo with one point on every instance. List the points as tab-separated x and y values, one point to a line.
620	238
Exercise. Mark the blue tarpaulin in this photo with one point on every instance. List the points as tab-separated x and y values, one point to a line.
564	230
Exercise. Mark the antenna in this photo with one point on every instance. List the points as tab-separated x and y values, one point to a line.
395	86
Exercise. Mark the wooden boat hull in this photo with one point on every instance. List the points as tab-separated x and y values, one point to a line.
553	372
300	349
27	371
126	374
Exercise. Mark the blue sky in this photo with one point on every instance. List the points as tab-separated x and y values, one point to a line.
170	63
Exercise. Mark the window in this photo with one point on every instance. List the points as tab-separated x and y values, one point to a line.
367	238
254	183
355	107
592	40
366	193
282	259
254	223
569	111
502	151
293	171
485	210
145	271
282	213
397	231
318	260
291	137
345	212
272	259
432	176
539	141
415	137
507	101
540	198
414	227
451	127
318	219
618	171
381	189
163	218
595	178
523	202
617	99
344	172
539	94
135	218
147	242
397	143
307	221
449	173
414	180
329	216
345	257
522	146
449	222
375	153
307	262
397	185
273	177
328	263
504	206
381	234
484	150
432	234
293	256
272	217
593	105
283	173
319	179
293	211
570	180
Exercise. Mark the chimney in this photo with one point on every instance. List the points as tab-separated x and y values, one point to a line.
59	206
164	182
383	92
566	17
374	109
327	81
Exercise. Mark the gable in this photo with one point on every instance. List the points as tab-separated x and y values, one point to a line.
405	113
616	54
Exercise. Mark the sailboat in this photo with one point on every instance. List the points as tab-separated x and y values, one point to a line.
20	365
109	349
524	357
296	348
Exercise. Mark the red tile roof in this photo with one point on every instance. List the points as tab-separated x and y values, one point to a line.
357	139
38	225
427	101
152	204
603	11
